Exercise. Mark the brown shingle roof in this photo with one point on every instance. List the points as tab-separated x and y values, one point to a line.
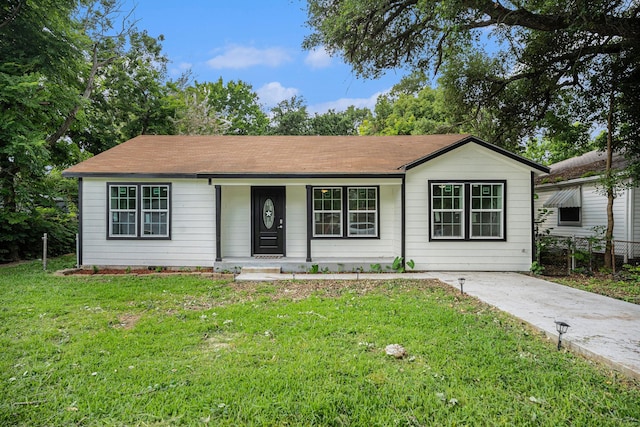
279	155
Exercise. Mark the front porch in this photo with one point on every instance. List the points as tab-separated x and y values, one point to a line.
300	265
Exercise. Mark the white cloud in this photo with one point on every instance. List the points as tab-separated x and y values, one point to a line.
318	58
238	57
343	103
272	93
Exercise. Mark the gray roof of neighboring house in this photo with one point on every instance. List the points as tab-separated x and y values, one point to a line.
588	164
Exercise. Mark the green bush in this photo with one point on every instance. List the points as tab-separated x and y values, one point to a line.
21	233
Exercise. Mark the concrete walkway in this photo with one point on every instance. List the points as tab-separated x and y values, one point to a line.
601	328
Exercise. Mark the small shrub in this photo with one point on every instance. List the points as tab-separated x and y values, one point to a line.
315	269
376	268
536	268
397	265
631	272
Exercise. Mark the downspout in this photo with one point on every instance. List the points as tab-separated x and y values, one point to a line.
80	209
309	222
218	223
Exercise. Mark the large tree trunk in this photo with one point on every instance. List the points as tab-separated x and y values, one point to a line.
610	187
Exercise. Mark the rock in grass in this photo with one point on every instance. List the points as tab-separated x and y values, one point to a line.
395	350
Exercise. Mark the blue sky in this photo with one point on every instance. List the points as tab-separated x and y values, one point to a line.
258	42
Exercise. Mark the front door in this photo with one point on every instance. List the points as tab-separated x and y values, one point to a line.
268	220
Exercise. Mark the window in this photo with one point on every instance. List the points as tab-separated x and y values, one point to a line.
357	207
486	210
363	211
155	210
447	201
123	210
139	210
467	210
569	216
568	201
327	211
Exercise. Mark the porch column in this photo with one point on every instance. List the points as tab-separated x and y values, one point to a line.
532	218
403	225
218	223
80	234
309	221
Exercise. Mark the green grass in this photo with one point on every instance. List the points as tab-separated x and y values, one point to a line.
604	284
186	350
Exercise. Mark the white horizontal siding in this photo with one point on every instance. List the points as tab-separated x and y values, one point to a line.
192	228
470	162
296	221
594	213
384	246
236	219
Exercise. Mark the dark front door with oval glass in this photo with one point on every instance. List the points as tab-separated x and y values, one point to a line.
268	220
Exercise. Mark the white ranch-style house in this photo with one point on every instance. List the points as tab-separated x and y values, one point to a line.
447	202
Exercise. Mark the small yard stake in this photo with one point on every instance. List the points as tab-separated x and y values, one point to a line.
461	282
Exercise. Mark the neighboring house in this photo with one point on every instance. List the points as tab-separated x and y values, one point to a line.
447	202
577	205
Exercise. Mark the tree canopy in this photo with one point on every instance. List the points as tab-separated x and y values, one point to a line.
541	50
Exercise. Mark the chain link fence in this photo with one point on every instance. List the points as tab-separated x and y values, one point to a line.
560	255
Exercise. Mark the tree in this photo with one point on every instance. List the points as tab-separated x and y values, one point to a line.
129	97
239	105
42	53
55	54
410	108
216	108
338	122
290	117
543	46
195	114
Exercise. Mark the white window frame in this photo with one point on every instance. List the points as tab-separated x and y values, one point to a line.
499	211
331	211
139	214
569	223
147	213
441	211
466	211
117	210
366	211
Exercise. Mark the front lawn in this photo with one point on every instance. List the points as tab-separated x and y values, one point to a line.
625	289
187	350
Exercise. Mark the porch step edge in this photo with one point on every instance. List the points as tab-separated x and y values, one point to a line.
265	270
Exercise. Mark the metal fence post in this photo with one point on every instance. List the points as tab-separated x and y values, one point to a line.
573	253
44	252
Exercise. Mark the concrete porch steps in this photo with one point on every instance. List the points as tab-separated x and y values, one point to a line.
261	270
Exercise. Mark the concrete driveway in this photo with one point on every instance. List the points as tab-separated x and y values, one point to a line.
601	328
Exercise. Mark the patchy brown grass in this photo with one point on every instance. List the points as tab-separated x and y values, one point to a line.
296	290
603	284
